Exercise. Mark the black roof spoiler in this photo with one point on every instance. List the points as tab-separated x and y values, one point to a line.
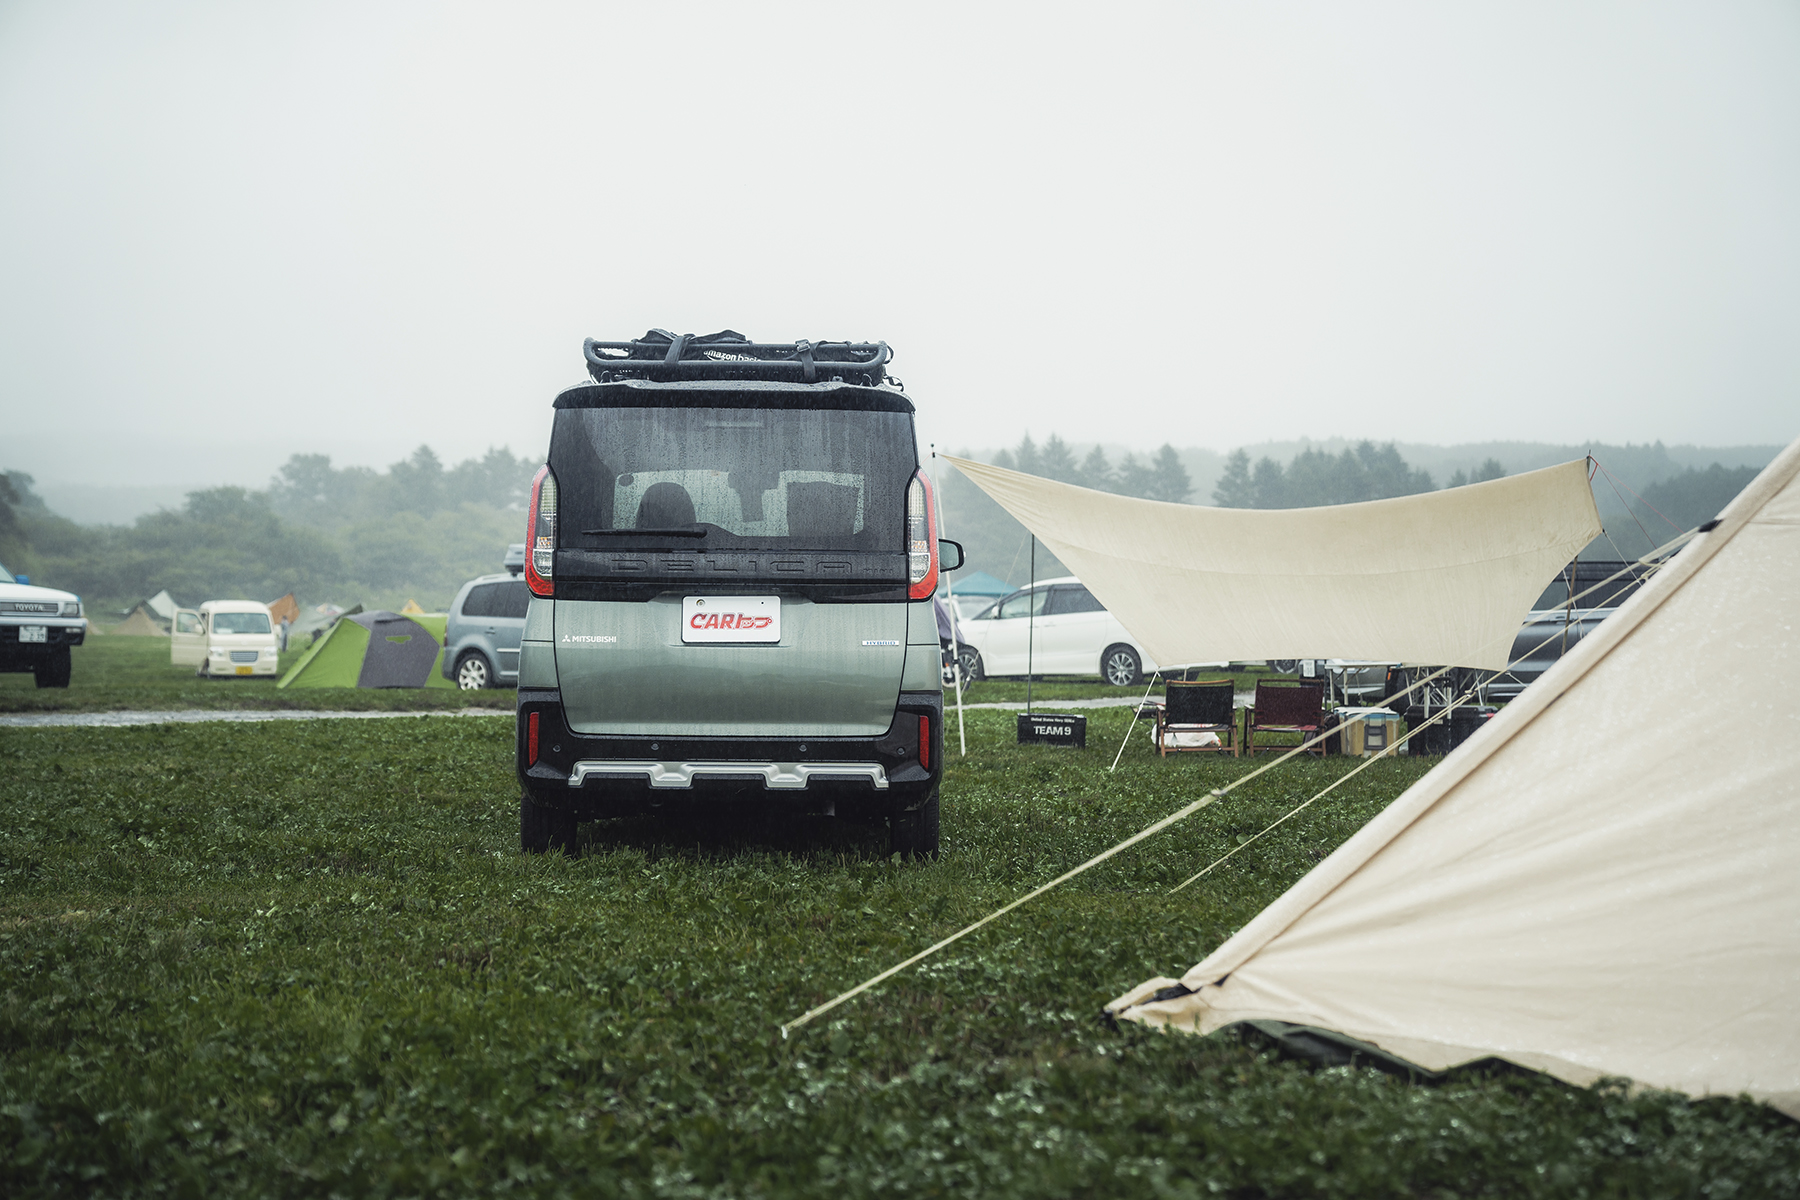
664	357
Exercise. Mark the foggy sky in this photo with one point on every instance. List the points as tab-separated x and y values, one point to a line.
233	232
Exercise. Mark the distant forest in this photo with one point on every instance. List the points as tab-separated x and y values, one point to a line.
420	528
1160	477
349	534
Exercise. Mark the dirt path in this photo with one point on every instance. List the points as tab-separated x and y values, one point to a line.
185	716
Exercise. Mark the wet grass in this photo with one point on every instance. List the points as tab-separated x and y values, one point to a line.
112	673
309	960
1070	687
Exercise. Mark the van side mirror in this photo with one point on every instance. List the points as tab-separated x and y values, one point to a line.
945	545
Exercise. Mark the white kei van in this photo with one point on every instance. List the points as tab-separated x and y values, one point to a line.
224	638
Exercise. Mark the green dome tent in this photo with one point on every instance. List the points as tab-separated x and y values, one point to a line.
374	650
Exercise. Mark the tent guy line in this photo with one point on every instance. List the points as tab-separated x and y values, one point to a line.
1442	714
1659	554
1133	840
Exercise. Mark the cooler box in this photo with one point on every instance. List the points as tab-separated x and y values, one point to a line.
1378	729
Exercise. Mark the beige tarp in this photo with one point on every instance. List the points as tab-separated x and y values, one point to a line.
1445	577
1606	887
140	624
286	608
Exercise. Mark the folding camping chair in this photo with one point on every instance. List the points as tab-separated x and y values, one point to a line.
1200	707
1286	706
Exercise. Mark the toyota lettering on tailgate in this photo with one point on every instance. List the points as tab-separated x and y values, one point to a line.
731	619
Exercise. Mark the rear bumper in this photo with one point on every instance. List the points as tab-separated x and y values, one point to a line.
602	776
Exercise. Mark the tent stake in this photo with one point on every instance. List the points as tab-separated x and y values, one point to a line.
1030	623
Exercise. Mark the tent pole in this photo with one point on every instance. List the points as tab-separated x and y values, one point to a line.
1030	623
962	736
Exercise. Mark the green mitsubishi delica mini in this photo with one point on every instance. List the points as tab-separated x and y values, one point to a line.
731	554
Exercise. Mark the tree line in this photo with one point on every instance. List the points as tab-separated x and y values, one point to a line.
1160	477
1315	478
351	534
309	490
421	527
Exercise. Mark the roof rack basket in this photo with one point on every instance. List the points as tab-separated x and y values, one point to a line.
664	357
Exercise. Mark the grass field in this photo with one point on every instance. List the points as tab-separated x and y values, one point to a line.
111	673
308	959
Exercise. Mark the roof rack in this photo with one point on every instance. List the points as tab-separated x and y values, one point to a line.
663	357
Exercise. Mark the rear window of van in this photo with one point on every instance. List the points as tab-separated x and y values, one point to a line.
791	479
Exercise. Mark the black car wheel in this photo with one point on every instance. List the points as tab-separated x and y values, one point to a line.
53	671
1121	667
473	672
542	830
970	662
915	834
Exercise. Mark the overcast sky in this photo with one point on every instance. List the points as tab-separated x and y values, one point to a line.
230	232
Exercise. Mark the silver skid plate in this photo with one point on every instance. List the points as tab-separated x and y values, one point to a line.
779	777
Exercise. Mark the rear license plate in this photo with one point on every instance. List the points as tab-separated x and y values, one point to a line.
731	619
34	633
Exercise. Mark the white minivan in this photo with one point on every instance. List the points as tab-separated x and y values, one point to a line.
225	638
1060	628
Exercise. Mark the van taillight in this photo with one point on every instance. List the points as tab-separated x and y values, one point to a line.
531	727
925	742
921	540
540	534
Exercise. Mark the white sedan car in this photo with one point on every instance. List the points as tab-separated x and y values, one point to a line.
1060	628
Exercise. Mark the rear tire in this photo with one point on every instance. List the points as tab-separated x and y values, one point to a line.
915	834
1121	667
542	830
53	671
473	672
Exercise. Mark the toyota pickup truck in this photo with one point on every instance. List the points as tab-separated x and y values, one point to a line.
38	625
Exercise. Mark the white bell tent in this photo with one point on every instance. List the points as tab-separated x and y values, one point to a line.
1604	881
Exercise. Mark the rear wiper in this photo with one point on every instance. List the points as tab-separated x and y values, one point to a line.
691	533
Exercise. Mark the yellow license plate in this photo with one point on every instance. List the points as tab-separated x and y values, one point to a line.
245	670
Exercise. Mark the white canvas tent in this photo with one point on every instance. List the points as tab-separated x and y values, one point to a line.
1442	578
1606	887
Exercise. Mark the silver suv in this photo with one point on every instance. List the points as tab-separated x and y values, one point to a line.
482	634
732	554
